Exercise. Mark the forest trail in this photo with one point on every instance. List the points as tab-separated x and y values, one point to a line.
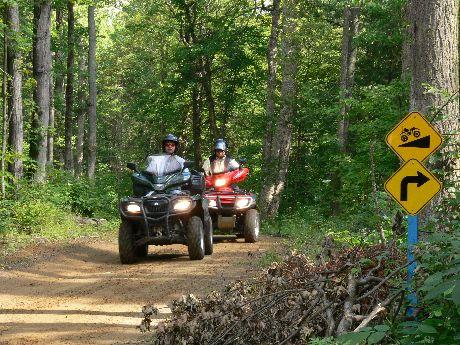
81	294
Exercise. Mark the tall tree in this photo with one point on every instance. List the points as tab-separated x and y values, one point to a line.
57	85
16	133
196	123
92	145
42	73
206	79
50	132
81	109
281	142
271	82
68	156
188	16
347	79
350	29
435	74
5	110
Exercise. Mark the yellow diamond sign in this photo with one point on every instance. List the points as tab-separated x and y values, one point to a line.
414	137
413	186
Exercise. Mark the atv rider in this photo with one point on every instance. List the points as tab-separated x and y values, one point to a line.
167	162
219	162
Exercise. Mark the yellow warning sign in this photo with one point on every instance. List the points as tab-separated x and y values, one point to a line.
414	137
413	186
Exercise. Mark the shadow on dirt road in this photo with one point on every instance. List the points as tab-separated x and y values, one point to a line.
82	294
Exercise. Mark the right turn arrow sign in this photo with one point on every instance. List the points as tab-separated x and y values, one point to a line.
420	179
412	186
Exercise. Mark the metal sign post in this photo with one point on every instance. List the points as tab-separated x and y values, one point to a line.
412	239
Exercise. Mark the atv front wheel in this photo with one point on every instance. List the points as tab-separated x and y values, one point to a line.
129	252
142	251
195	238
208	240
251	226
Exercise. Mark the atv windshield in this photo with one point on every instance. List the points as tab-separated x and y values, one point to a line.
164	164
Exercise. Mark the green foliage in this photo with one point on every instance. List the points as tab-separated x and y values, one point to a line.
36	216
302	231
322	341
366	336
269	257
51	210
439	293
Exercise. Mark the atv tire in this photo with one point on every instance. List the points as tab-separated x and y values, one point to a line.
208	240
142	251
251	226
129	252
195	238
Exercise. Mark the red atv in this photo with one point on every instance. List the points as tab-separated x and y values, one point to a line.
231	208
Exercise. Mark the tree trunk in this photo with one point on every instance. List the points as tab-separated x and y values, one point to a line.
350	29
56	119
188	38
406	50
92	101
81	106
5	109
281	143
16	134
196	124
374	193
50	144
271	83
207	88
42	70
434	62
68	156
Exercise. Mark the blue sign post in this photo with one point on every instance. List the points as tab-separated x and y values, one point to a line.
412	239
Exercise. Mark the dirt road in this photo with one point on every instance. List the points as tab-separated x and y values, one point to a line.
82	295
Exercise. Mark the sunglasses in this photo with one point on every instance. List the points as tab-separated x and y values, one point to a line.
170	144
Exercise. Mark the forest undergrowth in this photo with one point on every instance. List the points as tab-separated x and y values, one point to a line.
61	209
332	286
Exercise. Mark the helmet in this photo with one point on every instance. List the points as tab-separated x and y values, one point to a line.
220	145
170	137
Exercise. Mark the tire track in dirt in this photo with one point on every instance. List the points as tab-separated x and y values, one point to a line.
82	294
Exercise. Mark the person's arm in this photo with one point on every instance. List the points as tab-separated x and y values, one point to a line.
233	165
207	167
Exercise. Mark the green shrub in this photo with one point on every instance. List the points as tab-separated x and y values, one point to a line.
49	210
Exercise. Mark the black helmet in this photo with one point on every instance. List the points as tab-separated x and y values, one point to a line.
170	137
220	145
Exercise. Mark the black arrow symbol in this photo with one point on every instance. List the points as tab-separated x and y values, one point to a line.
420	179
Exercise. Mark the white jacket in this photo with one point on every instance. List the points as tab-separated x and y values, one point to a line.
219	165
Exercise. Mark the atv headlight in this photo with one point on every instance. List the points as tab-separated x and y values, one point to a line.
133	208
242	202
212	203
182	204
220	182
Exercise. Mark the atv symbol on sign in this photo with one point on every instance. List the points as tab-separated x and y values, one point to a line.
406	133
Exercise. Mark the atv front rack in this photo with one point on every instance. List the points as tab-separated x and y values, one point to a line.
146	218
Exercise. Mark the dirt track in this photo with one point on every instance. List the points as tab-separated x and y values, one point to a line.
82	295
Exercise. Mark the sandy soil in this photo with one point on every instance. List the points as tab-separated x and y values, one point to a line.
81	294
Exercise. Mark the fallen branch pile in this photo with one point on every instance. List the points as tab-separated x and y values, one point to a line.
290	302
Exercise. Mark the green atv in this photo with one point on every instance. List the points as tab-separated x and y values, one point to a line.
165	210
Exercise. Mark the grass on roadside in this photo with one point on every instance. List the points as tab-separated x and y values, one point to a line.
305	231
